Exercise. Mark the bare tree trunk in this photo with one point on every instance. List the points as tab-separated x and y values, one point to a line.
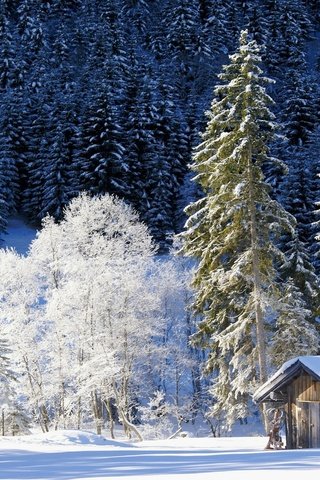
97	412
129	426
195	372
79	409
43	413
126	422
125	404
79	414
124	407
3	426
111	422
62	388
261	338
45	418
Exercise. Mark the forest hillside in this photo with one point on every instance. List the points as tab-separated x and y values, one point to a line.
109	96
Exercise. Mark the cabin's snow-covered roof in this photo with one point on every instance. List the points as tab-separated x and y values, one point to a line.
290	369
311	362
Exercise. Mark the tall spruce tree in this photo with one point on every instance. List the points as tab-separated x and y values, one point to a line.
232	230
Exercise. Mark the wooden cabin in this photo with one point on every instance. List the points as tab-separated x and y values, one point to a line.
295	389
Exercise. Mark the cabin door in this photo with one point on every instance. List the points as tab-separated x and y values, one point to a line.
314	424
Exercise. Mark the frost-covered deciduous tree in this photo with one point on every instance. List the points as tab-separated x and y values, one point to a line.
21	311
177	369
94	265
13	419
232	230
6	374
102	327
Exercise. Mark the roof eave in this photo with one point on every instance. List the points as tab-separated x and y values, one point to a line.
262	394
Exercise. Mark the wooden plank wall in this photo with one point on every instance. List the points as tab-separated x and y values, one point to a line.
306	389
314	424
305	412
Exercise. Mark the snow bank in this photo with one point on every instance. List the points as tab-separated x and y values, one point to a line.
64	437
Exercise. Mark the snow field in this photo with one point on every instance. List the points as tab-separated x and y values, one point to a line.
80	455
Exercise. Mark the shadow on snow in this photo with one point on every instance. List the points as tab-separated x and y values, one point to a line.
23	465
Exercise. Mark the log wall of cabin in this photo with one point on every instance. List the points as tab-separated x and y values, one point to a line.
303	410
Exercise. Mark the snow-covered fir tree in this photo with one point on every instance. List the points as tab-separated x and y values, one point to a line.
232	230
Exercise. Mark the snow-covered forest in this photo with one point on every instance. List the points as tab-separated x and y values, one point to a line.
110	95
103	103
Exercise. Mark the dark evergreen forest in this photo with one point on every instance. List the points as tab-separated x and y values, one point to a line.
110	96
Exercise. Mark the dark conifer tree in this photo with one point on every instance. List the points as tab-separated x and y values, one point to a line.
291	48
309	189
38	110
167	166
9	182
274	38
137	13
235	19
7	54
31	37
160	185
299	268
300	109
300	190
213	15
101	165
53	134
185	40
36	115
56	176
257	24
138	118
65	7
60	174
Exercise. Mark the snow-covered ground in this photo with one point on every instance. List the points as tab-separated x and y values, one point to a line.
19	236
82	455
